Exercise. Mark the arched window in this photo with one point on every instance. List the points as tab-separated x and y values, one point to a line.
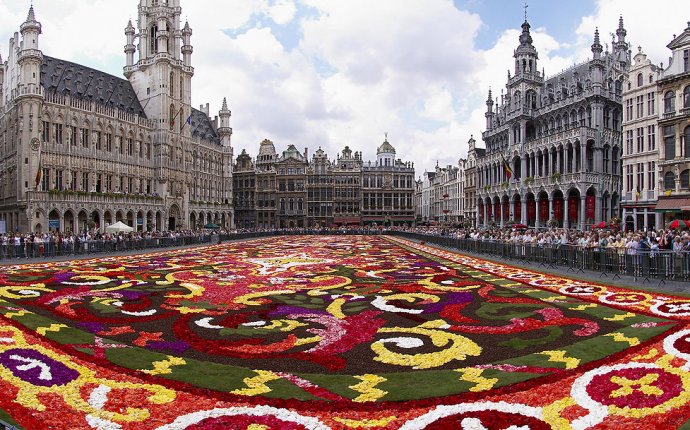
669	181
517	99
685	179
686	140
640	79
615	165
606	158
153	42
172	85
669	102
686	97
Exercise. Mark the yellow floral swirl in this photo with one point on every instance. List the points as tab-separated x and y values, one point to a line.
457	347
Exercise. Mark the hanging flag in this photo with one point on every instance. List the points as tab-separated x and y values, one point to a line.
39	173
506	168
36	143
637	193
172	120
189	121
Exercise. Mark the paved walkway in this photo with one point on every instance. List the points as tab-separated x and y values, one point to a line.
667	286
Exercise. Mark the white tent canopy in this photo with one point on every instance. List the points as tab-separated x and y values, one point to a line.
118	227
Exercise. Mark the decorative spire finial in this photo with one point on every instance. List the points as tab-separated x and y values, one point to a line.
525	7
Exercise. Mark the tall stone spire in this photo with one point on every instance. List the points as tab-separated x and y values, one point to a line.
596	46
621	33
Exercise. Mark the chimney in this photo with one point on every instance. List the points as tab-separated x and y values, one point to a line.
306	151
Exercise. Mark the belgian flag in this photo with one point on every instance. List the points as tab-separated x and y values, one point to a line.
506	168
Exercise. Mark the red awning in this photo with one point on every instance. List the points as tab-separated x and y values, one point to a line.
673	204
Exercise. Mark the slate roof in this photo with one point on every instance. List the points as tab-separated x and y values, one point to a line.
65	77
202	127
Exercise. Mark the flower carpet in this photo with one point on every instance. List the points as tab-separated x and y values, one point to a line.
334	332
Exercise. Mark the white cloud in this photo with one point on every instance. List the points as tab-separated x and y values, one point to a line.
357	69
283	11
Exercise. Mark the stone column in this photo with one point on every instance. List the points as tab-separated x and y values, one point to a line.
523	209
550	209
582	211
500	207
536	214
558	160
565	212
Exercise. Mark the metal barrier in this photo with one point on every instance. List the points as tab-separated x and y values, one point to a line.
642	265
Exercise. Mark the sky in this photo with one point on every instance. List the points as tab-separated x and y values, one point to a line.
331	73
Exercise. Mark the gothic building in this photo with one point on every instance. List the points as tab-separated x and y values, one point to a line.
83	149
553	144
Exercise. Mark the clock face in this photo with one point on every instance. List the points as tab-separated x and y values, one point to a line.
35	143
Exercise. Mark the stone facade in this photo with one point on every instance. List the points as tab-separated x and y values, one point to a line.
244	191
387	189
83	149
292	192
468	167
674	131
553	145
640	145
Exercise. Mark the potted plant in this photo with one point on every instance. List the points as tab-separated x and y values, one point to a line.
529	180
556	177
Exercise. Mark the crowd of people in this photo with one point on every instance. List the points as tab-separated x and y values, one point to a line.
28	245
36	245
630	242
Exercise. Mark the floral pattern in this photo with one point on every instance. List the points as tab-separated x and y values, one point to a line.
334	332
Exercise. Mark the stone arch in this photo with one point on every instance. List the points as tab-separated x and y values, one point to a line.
82	220
150	221
140	222
54	219
97	218
107	218
174	217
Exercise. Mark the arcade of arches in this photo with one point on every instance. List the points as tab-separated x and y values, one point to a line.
572	209
79	220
